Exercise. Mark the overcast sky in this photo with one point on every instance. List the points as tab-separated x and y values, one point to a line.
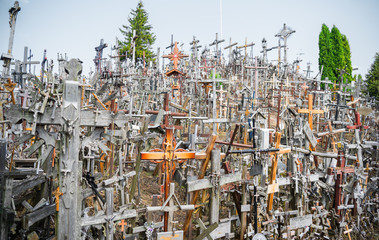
76	27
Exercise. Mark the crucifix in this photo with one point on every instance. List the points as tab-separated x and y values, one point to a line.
195	49
99	55
7	57
284	34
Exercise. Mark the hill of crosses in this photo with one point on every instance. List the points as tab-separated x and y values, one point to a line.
214	143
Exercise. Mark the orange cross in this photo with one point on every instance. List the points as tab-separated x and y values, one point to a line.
310	111
175	56
123	224
57	193
10	86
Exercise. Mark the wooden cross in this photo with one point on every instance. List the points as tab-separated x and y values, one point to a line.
206	67
246	46
57	194
205	231
357	122
175	56
273	171
340	170
331	134
24	98
169	208
310	111
168	155
10	86
256	68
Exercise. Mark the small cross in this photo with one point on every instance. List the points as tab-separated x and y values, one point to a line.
57	193
123	224
10	86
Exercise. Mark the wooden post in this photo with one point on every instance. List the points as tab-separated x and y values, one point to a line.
202	174
273	171
69	165
244	202
109	212
215	197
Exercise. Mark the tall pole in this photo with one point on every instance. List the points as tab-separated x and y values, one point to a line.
13	11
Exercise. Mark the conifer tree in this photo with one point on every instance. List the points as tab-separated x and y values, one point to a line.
347	58
372	78
145	38
337	52
325	59
334	54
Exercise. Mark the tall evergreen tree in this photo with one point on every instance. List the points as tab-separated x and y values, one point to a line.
325	59
372	78
337	52
334	54
138	21
347	57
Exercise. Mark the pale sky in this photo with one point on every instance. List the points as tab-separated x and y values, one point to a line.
76	27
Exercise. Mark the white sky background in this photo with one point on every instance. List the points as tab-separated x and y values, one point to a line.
76	27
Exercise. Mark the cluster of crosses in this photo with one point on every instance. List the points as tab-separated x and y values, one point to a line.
207	146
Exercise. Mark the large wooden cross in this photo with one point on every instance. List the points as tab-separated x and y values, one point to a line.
340	170
168	155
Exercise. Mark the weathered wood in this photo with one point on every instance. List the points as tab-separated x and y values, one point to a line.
205	231
23	185
201	176
308	133
33	217
96	220
215	195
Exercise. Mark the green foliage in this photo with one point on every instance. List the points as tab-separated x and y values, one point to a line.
337	52
138	21
347	58
334	54
325	56
372	78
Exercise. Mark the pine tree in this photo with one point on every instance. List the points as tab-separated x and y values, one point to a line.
372	78
138	21
325	59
